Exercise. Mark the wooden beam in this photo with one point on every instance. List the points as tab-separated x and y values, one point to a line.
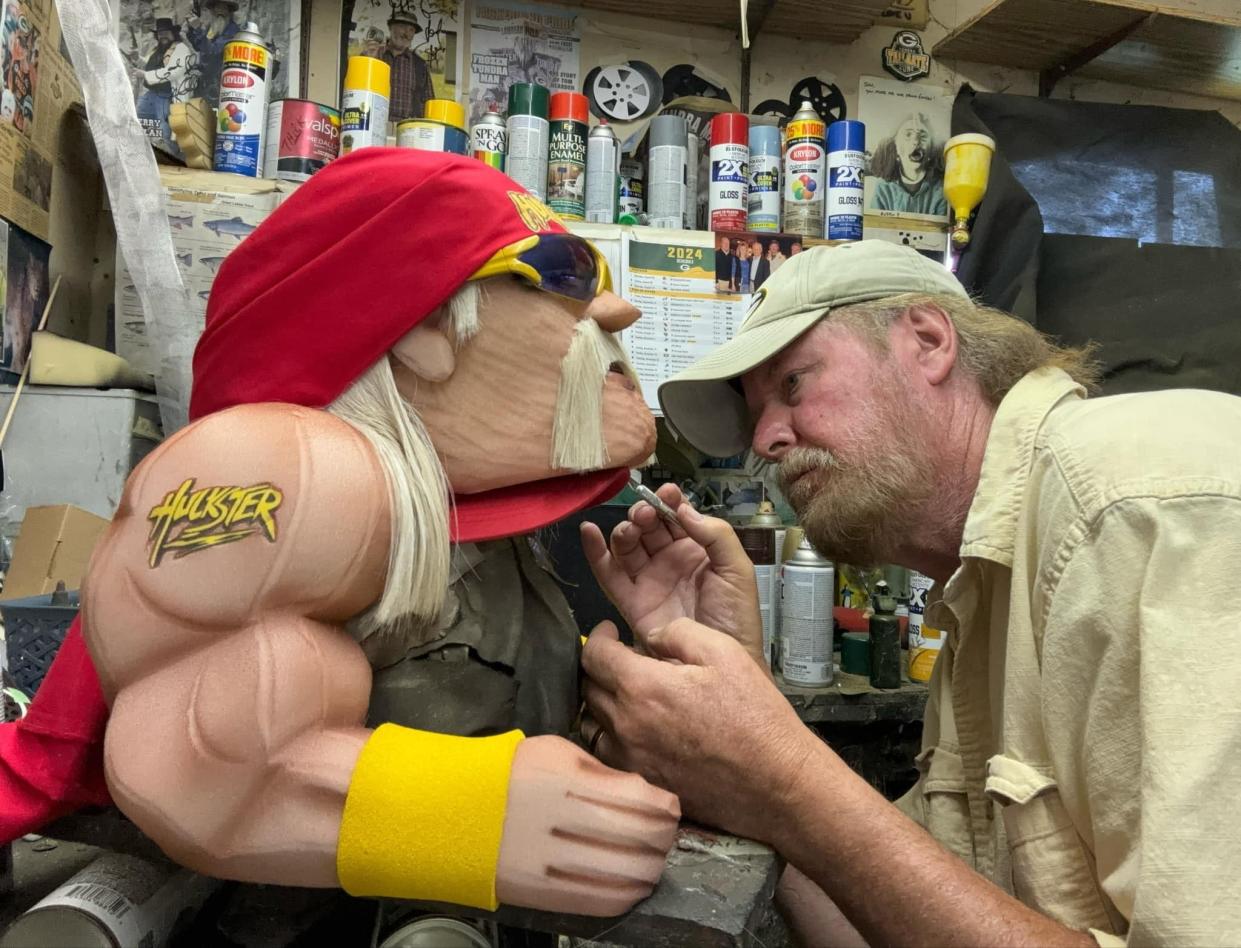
1048	78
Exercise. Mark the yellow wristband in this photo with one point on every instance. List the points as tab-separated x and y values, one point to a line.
424	816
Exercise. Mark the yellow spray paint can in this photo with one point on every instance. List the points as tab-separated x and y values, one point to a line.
967	168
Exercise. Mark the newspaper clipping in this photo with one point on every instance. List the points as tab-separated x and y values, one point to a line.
420	40
520	42
906	127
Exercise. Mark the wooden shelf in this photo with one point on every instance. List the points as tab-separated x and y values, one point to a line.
1134	42
830	21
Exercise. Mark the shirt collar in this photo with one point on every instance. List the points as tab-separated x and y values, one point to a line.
991	525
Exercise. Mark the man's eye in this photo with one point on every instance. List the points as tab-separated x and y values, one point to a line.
790	382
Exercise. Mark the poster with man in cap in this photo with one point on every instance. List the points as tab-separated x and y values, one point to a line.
209	34
418	40
169	75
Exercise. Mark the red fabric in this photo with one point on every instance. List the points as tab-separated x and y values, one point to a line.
352	261
51	761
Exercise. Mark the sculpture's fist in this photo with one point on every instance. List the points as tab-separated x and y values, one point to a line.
580	837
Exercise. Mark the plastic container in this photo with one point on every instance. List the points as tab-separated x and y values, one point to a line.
34	628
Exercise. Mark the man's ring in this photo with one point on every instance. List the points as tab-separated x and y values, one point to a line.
594	741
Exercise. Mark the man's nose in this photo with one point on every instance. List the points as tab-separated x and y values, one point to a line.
773	436
611	312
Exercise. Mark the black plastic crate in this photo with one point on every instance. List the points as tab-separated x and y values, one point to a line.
34	627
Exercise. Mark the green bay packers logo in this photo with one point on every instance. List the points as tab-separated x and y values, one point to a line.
905	58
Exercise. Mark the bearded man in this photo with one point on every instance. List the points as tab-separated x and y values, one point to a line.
1079	759
345	434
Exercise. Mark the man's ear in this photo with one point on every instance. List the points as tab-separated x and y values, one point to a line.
933	340
426	352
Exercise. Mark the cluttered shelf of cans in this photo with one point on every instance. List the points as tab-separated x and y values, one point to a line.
804	178
804	600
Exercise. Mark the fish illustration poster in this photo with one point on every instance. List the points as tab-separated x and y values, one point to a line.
175	50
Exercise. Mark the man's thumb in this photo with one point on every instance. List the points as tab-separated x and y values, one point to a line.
685	641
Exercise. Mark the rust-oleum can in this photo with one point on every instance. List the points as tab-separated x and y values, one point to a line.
242	114
566	155
301	138
441	128
489	139
808	593
729	198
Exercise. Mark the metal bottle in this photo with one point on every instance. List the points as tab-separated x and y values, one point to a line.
805	165
602	175
806	622
489	139
241	118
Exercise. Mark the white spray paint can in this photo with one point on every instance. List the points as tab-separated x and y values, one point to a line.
806	623
666	171
602	177
764	210
632	187
241	118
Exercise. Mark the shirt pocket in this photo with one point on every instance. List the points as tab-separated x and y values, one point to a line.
1053	872
945	802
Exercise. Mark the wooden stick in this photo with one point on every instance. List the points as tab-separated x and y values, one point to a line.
21	382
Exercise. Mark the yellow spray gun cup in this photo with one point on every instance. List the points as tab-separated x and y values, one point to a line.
967	167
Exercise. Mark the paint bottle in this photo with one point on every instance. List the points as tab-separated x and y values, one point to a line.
526	162
925	641
364	104
602	174
804	167
808	585
241	118
692	152
885	644
666	171
489	139
301	137
632	187
846	166
441	128
760	538
764	202
729	197
566	155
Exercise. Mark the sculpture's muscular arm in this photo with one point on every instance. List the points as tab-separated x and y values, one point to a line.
237	698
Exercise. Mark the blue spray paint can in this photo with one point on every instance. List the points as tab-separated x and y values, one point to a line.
764	178
846	168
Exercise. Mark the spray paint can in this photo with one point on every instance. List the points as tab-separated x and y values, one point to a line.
115	902
666	171
566	155
301	138
526	162
764	203
729	197
489	139
846	166
441	128
632	187
602	174
806	623
692	152
364	104
241	117
804	165
925	641
760	539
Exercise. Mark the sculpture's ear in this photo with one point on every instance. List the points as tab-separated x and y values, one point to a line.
426	352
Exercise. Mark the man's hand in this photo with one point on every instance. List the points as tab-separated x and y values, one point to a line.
655	572
700	718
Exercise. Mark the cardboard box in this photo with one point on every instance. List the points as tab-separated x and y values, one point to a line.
24	289
55	544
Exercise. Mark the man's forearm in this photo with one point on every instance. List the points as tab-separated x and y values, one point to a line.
869	858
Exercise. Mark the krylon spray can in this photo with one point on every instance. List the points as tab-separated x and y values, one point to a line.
925	641
602	174
489	139
242	114
846	165
632	187
364	104
729	197
526	162
803	173
666	170
806	622
441	128
566	155
764	209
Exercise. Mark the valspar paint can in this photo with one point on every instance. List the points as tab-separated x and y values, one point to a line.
728	201
925	641
489	139
441	128
764	204
804	165
301	138
808	586
602	174
364	104
526	162
241	117
666	171
846	164
566	154
632	187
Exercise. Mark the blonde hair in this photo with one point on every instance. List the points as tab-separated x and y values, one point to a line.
420	551
993	347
